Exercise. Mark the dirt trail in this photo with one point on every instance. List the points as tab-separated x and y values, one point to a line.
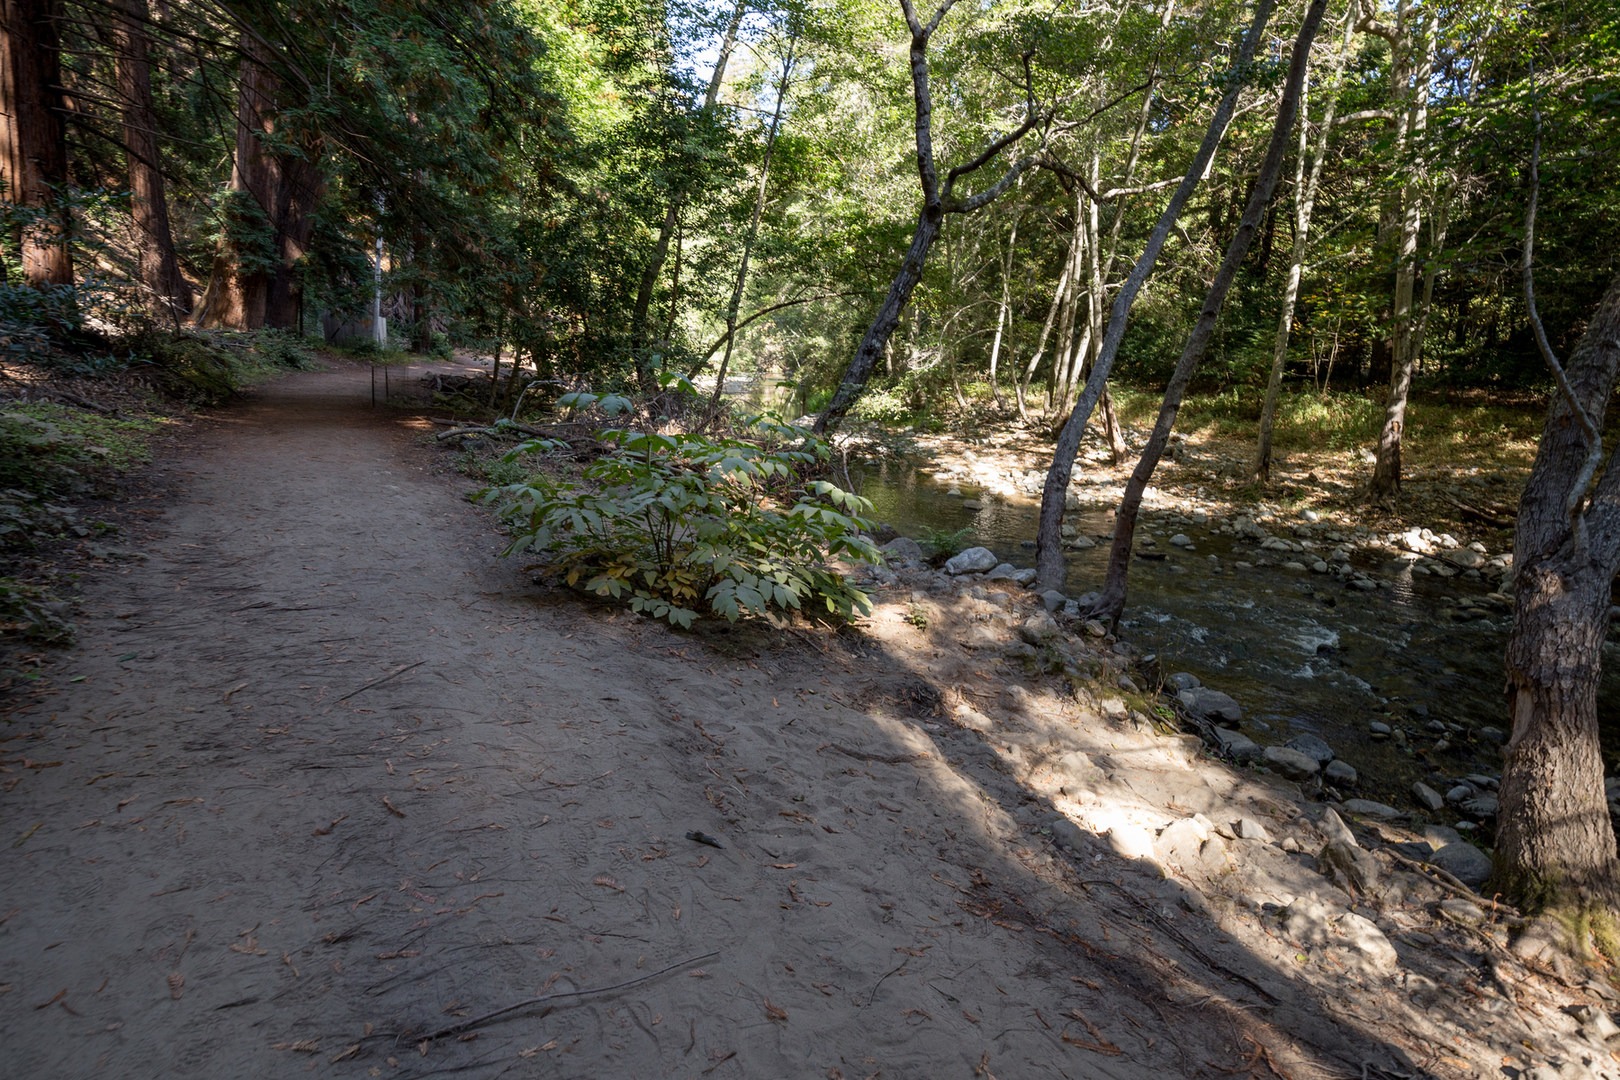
324	777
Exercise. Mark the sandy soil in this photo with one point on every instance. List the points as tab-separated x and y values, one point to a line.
327	788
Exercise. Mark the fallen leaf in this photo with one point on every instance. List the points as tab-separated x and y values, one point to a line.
677	913
607	883
177	985
784	866
774	1012
392	809
60	994
354	1048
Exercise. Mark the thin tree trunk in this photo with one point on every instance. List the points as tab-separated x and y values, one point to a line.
753	223
1003	310
1112	599
33	141
1386	478
159	268
1304	203
672	215
1022	387
1048	540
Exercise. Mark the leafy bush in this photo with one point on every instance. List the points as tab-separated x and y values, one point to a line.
676	524
33	614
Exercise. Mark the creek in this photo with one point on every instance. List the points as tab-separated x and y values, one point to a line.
1302	652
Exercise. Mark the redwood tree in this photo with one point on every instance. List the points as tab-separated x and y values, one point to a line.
33	142
275	183
149	205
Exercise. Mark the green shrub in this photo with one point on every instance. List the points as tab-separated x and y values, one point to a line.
33	614
678	524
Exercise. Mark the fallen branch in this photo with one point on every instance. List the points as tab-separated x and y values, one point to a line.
478	1021
379	682
1495	519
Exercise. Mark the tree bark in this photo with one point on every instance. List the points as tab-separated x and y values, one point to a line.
1048	539
1112	599
33	140
159	268
1555	845
1304	204
1411	129
253	282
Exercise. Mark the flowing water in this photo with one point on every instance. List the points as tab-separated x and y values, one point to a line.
1300	652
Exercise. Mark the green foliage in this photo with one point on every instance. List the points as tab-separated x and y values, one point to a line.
48	449
678	525
943	543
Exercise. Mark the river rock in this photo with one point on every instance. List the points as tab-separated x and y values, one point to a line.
1002	572
1379	730
1465	862
1334	828
1369	808
1186	680
1039	628
1464	559
1052	599
1427	797
975	560
1310	922
1025	577
1438	836
903	549
1340	772
1484	807
1246	828
1181	540
1348	866
1082	543
972	504
1313	745
1211	704
1066	833
1460	794
1291	763
1236	745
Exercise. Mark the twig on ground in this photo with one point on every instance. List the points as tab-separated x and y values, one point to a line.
546	999
379	682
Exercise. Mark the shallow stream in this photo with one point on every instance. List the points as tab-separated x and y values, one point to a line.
1301	652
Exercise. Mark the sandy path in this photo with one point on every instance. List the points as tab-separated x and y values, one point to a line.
324	776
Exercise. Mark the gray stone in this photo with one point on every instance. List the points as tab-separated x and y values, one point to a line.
1212	704
1379	730
1066	833
903	549
1236	745
1340	772
1369	808
1366	942
1465	559
1192	845
1459	910
1348	866
1095	628
1313	745
975	560
1291	763
1465	862
1039	628
1460	793
1595	1021
1484	807
1181	540
1002	572
972	504
1082	543
1334	828
1052	599
1183	680
1246	828
1427	797
1025	577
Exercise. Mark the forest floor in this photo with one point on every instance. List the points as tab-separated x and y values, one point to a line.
326	787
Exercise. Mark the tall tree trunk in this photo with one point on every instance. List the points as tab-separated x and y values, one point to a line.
1304	203
735	306
159	268
640	339
269	216
1028	377
1004	309
1112	599
33	141
1411	131
1555	845
1049	539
